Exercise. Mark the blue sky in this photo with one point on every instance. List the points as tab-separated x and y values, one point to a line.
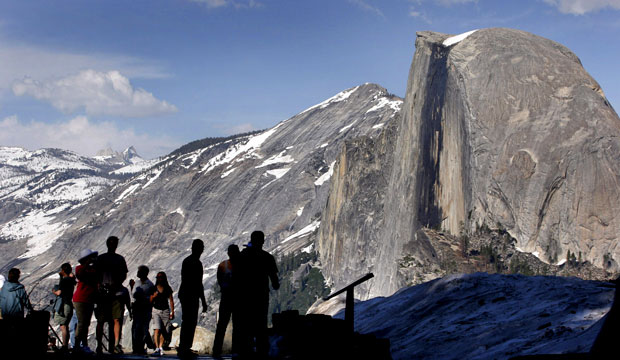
84	75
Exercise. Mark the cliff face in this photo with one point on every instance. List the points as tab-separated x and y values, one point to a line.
276	181
499	128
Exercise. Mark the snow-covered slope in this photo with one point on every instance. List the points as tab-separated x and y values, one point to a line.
482	316
40	189
277	180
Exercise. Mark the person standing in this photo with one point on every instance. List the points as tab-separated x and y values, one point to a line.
64	309
84	297
13	298
228	301
190	291
257	268
112	271
14	331
142	308
163	311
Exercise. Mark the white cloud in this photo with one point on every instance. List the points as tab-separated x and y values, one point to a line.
98	93
82	136
580	7
21	61
367	7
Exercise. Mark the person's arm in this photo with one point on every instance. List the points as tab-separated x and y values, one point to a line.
154	295
273	275
171	299
204	301
128	304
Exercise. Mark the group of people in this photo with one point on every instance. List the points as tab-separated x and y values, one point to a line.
244	284
100	289
97	288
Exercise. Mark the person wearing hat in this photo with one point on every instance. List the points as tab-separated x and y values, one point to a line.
85	296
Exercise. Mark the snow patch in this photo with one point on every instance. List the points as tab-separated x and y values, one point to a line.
323	145
178	211
277	159
300	211
153	178
226	173
308	249
248	149
304	232
323	178
378	126
136	167
130	190
40	229
341	96
458	38
278	173
393	104
347	127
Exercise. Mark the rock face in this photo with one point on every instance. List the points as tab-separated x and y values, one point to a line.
276	181
483	316
499	128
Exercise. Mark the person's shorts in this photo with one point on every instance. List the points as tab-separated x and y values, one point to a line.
109	310
160	319
66	318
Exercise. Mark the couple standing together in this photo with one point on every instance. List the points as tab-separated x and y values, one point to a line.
244	283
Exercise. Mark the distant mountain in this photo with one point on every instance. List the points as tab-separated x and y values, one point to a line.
276	180
40	189
128	156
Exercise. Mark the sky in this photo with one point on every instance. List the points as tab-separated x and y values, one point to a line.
87	75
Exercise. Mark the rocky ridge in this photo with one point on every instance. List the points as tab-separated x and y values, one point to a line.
499	129
276	180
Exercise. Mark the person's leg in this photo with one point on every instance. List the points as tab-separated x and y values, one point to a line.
72	328
156	325
137	331
115	327
188	326
64	336
81	327
262	340
222	323
117	331
147	334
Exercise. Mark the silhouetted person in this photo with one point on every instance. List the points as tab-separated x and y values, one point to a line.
605	344
84	297
190	292
113	271
64	303
142	310
228	300
257	268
